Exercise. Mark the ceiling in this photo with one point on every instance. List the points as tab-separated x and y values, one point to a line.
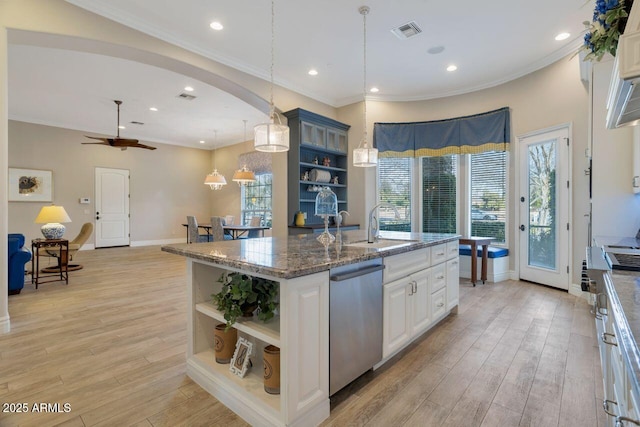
490	43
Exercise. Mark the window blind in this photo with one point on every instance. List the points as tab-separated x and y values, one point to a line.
394	184
439	177
489	195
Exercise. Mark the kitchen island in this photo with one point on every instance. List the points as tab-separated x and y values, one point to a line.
421	288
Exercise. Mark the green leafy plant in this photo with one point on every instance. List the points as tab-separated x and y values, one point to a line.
241	294
603	33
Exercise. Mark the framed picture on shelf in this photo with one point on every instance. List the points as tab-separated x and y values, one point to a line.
30	185
240	362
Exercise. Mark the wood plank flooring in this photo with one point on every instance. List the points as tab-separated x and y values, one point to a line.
111	344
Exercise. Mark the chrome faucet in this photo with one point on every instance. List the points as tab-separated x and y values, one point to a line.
374	224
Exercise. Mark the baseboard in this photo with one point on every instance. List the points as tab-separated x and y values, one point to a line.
87	247
138	243
576	289
5	325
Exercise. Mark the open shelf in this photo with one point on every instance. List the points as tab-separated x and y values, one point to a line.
314	166
323	184
314	200
268	332
251	387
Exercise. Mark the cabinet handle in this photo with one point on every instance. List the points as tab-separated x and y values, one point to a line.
605	406
415	287
454	263
411	291
440	254
440	305
620	419
440	277
604	338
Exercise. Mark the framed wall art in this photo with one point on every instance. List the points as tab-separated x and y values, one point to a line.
240	362
30	185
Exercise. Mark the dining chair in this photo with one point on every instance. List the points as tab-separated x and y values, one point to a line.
254	222
194	235
217	229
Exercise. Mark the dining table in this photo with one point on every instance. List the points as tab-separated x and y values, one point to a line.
235	231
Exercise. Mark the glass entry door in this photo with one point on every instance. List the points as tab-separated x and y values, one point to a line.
544	208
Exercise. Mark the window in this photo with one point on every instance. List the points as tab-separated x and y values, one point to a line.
394	183
256	200
439	180
489	194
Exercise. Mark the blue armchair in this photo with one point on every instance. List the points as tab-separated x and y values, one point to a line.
18	257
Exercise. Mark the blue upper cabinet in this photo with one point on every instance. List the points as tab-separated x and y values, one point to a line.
318	150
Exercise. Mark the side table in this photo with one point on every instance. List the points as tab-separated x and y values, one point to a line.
474	242
58	245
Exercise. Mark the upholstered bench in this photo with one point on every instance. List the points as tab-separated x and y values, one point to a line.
497	263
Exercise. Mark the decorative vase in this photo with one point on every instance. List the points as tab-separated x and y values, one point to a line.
224	343
272	369
299	219
248	309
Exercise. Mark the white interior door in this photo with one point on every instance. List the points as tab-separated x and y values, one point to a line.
544	208
112	207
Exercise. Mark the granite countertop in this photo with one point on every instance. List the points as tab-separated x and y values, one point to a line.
301	255
624	294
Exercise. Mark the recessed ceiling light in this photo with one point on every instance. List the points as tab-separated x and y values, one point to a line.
215	25
188	88
562	36
313	72
374	90
121	127
201	142
452	67
153	109
435	50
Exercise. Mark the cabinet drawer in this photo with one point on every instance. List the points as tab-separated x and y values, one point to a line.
397	266
438	304
438	277
438	253
452	249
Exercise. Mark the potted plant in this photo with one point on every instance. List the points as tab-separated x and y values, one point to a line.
241	294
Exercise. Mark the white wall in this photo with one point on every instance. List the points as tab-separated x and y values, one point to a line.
616	210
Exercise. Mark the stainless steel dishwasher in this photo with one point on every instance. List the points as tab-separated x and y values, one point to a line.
355	321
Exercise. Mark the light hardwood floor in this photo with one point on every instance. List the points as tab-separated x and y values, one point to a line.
112	343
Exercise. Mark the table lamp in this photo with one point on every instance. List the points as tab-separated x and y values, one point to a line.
51	217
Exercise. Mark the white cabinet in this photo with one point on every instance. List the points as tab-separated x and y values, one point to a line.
420	288
620	396
407	310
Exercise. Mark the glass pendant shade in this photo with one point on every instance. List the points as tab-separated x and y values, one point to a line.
271	137
215	180
365	156
244	176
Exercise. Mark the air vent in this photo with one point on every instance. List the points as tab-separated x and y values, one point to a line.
186	96
407	30
137	123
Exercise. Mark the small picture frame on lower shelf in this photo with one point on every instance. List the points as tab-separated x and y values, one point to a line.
240	362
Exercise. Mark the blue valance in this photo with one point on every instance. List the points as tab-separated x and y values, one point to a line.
488	131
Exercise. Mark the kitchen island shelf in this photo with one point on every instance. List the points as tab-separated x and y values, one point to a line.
250	389
268	332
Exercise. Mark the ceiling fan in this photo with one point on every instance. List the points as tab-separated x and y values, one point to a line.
122	143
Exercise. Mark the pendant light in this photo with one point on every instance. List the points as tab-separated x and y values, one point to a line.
271	137
215	180
365	156
244	176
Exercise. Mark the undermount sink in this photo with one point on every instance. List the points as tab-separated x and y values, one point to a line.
381	243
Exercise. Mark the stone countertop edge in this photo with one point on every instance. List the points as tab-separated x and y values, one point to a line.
624	293
301	255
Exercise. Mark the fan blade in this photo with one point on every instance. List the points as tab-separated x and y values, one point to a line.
148	147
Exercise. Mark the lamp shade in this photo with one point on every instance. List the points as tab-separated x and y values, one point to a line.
52	217
271	137
243	176
215	180
365	157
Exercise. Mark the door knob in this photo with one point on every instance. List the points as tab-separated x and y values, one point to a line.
522	227
522	199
